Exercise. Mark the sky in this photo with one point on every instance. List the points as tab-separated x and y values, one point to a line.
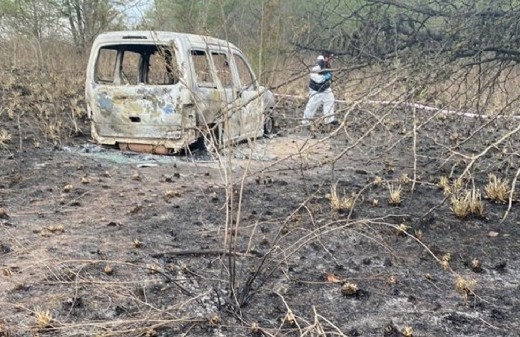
136	12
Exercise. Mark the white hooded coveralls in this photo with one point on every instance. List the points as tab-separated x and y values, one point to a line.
319	98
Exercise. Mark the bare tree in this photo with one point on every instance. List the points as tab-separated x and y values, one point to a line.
476	42
32	18
88	18
81	20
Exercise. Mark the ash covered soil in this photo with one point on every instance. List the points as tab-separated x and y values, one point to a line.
98	242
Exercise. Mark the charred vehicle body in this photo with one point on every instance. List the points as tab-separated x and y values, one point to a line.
163	91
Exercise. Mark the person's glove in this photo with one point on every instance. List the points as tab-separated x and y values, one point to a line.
327	76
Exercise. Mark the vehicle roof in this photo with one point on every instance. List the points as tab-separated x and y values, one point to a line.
143	36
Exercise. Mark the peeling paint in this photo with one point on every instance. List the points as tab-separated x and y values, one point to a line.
169	109
105	103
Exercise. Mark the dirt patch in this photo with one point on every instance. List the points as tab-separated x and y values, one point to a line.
109	243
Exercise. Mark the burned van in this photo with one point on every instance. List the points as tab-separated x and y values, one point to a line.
163	91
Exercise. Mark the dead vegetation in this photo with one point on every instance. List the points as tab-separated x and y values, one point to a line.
5	139
497	189
340	202
464	203
466	286
394	198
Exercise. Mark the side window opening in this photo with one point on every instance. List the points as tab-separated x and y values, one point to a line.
130	68
247	79
105	65
134	64
204	76
162	67
223	70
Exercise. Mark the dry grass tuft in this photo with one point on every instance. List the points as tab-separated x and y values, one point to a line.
447	191
395	194
215	319
448	188
476	265
476	206
444	183
255	328
108	270
68	188
5	138
460	205
171	194
289	318
465	286
392	279
43	318
85	180
7	272
153	268
349	289
402	229
378	181
419	235
465	203
458	184
407	331
340	203
404	179
58	228
137	243
497	189
148	332
445	261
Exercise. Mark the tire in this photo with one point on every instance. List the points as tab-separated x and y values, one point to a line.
268	124
212	140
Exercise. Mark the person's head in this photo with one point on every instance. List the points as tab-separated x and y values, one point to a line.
325	59
327	55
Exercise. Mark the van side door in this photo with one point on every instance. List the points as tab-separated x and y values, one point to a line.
214	92
252	118
232	113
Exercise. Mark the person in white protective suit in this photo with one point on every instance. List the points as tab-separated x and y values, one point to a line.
320	92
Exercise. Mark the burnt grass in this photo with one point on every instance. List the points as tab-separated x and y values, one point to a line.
109	243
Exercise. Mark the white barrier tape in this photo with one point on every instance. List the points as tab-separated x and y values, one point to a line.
416	105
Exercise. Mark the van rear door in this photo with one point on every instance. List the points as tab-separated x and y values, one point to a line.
137	93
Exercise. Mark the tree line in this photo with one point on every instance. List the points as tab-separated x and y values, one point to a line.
480	36
369	30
